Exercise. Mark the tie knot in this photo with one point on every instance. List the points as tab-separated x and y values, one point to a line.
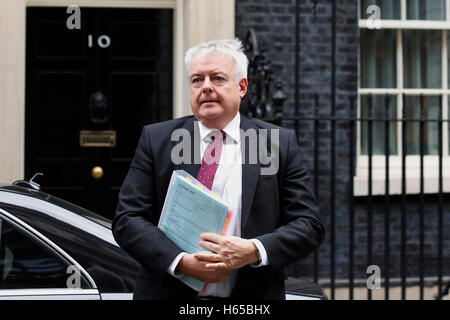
213	137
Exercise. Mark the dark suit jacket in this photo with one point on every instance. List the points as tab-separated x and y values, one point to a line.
279	210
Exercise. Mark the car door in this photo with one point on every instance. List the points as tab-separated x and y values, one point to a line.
34	268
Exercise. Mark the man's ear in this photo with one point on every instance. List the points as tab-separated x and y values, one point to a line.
243	87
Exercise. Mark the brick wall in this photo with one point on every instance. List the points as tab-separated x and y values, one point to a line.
274	22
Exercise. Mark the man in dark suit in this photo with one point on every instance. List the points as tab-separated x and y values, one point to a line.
275	215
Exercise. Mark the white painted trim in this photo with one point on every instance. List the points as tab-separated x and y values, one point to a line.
49	294
444	58
49	291
292	296
431	184
446	127
116	296
447	10
178	97
412	162
403	12
399	59
409	92
358	131
445	76
431	175
358	104
407	24
400	87
12	89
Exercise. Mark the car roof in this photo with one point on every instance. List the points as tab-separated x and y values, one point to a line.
37	194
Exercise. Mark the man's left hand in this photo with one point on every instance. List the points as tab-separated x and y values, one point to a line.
228	252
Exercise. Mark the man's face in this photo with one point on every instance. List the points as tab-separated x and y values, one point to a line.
215	95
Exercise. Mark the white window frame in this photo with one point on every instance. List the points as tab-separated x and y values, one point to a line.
431	162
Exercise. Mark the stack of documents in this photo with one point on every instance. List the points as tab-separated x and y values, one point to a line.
189	210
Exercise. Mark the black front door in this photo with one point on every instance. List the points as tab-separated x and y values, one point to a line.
89	92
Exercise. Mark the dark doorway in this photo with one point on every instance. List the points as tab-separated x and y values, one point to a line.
88	94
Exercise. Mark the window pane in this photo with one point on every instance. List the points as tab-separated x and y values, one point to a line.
425	9
390	9
378	58
422	58
430	137
378	127
448	58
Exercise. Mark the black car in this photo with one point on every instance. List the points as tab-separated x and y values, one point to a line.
53	249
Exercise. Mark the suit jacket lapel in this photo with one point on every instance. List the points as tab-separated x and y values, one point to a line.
194	165
250	172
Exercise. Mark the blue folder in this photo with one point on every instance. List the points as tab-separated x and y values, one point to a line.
189	210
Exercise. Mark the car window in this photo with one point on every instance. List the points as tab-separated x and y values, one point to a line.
81	211
25	264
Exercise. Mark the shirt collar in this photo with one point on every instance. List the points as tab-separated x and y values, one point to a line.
232	129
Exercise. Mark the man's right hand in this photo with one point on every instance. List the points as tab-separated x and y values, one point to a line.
197	269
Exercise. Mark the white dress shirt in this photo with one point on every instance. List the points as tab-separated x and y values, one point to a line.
228	185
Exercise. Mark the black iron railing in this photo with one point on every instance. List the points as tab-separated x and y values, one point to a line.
401	264
423	230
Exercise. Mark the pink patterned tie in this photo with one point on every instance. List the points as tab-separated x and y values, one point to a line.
210	160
